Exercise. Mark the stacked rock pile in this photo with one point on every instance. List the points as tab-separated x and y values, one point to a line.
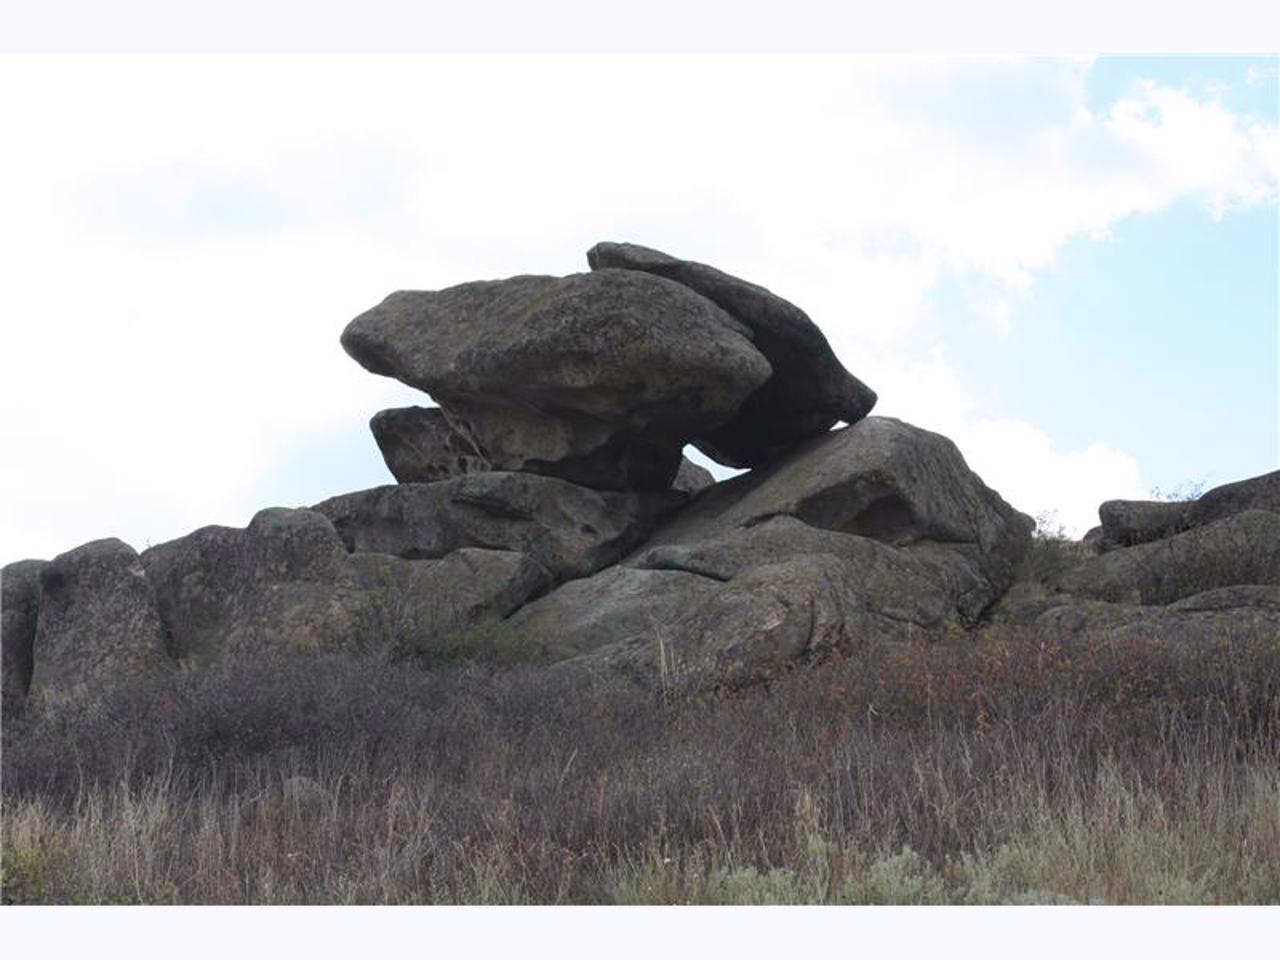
545	501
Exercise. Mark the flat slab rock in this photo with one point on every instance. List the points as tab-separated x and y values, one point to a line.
809	390
597	378
570	530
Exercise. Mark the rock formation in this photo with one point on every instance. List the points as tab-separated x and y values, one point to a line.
809	389
598	378
97	625
544	508
1185	571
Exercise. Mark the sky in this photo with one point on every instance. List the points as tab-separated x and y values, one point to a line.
1068	265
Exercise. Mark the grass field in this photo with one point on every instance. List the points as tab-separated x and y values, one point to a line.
1012	769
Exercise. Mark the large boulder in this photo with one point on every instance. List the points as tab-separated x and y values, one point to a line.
739	606
1127	523
426	607
1241	549
692	479
672	628
570	530
19	607
889	578
1255	493
619	605
884	480
283	583
597	378
98	624
419	445
809	391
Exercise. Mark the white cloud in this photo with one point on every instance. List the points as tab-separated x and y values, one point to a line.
185	237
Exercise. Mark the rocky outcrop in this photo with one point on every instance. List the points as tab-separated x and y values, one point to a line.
1255	493
1127	523
692	479
809	390
545	511
283	583
19	608
883	480
419	445
875	532
426	607
570	530
596	378
98	624
1240	549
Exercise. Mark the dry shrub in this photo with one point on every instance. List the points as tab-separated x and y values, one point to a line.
967	770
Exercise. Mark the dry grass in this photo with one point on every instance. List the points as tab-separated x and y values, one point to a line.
1014	769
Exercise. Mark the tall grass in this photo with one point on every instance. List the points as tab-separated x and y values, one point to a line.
1013	769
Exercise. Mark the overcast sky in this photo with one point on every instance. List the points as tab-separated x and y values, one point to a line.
1068	266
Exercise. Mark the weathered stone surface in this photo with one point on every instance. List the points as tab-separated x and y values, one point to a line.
598	378
883	480
1255	493
425	606
571	530
1258	596
283	583
98	624
1200	628
668	627
809	391
419	445
1126	523
1094	540
620	605
1241	549
1082	616
739	606
19	607
691	478
932	588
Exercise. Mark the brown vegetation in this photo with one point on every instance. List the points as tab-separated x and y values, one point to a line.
1015	768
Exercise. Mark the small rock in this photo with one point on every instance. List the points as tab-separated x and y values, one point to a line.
419	445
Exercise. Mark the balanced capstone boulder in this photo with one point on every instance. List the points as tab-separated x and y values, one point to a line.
809	390
597	378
